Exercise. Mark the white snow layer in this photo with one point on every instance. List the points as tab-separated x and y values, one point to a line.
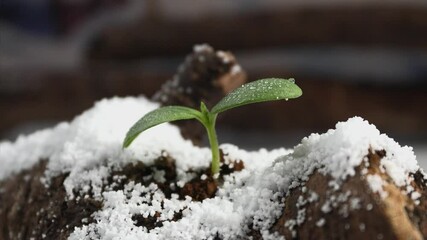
90	146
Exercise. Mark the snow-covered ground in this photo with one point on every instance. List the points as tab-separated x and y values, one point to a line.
252	140
89	148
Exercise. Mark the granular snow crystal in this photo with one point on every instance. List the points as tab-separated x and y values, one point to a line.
89	148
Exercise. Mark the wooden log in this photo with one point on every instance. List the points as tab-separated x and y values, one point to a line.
354	211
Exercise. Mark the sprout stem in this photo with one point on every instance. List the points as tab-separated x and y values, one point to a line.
213	141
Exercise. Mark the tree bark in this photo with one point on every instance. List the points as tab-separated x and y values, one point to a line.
353	211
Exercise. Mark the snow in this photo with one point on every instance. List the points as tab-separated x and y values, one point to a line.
376	183
224	56
320	222
202	48
235	69
89	148
28	150
338	151
362	227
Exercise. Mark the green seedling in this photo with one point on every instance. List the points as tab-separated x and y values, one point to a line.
263	90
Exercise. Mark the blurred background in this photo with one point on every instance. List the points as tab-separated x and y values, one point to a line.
356	57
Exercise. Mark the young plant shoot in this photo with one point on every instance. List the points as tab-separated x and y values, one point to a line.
263	90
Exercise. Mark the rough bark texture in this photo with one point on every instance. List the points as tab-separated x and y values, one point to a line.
395	217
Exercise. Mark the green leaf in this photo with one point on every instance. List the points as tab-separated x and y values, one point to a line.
263	90
158	116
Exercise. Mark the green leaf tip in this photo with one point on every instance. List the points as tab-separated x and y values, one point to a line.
203	108
263	90
159	116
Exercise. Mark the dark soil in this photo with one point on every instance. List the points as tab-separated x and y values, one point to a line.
30	210
197	188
